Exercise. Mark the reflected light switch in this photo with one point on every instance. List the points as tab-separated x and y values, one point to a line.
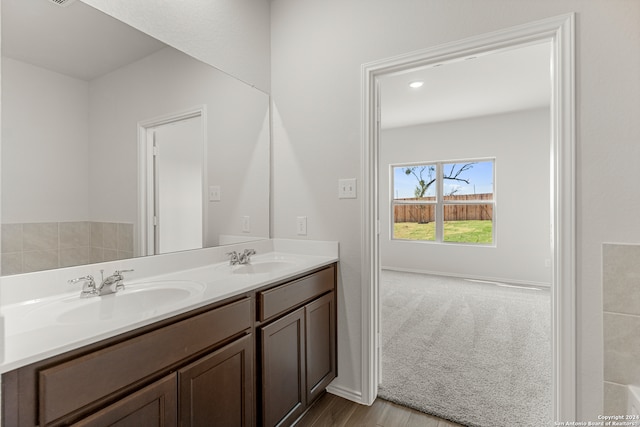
214	193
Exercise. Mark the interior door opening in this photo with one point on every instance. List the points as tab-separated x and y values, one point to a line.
437	227
560	32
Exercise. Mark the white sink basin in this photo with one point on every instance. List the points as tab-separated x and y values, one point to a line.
135	300
258	267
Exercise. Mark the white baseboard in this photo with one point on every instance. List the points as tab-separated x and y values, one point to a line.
352	395
472	277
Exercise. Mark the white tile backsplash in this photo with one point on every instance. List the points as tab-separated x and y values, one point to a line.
621	279
621	323
615	399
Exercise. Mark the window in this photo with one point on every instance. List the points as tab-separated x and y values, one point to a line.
450	202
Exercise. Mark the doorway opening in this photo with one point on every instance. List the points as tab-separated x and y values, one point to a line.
172	177
558	32
482	214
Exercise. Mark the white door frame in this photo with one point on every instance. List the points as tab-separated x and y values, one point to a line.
145	175
560	32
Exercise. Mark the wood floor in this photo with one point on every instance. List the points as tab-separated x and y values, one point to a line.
332	410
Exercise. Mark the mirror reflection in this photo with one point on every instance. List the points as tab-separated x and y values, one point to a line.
115	145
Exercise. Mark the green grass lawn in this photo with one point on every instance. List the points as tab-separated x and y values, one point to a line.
475	231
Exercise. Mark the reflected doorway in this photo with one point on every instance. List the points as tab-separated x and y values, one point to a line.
173	149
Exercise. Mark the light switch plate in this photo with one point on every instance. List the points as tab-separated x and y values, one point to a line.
347	188
246	224
301	225
215	194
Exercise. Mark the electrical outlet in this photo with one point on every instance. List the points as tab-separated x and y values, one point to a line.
301	225
347	188
246	224
215	193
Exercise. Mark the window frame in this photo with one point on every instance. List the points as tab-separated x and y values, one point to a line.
439	203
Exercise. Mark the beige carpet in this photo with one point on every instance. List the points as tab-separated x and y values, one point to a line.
474	353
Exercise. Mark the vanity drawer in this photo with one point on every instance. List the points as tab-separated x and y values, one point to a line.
87	380
282	298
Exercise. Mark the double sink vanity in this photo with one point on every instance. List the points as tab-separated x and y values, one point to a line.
211	344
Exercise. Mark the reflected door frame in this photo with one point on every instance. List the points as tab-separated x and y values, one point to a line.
145	237
559	31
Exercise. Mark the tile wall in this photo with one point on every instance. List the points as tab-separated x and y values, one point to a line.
41	246
621	316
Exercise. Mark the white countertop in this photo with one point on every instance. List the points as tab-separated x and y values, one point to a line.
39	328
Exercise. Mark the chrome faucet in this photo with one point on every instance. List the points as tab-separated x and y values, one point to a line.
113	283
110	285
243	258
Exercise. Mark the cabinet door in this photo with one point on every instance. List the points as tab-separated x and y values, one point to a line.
283	367
153	406
217	390
320	318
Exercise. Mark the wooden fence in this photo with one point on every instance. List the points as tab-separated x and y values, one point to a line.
461	212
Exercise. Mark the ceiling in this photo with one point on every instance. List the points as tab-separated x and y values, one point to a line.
76	40
494	83
85	43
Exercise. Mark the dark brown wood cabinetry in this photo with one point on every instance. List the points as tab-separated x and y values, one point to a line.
217	390
283	370
320	340
298	349
153	406
197	369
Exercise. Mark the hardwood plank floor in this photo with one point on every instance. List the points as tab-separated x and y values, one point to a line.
334	411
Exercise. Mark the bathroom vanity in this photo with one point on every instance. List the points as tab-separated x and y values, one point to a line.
260	356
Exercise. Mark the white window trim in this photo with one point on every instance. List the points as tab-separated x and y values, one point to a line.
440	202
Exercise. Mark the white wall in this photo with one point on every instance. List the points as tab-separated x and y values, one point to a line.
232	35
317	48
237	140
520	144
45	145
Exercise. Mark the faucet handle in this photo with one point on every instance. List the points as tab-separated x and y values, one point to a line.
119	272
246	255
87	278
234	257
119	284
88	286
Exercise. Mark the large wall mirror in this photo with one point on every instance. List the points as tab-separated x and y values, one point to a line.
115	145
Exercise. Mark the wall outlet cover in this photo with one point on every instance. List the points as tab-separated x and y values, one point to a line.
246	224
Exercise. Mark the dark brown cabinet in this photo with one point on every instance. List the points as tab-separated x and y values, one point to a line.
217	390
298	350
283	370
320	340
123	380
153	406
196	369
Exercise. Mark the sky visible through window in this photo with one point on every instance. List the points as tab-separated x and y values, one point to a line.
480	178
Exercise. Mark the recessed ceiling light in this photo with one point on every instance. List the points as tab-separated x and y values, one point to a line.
416	84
